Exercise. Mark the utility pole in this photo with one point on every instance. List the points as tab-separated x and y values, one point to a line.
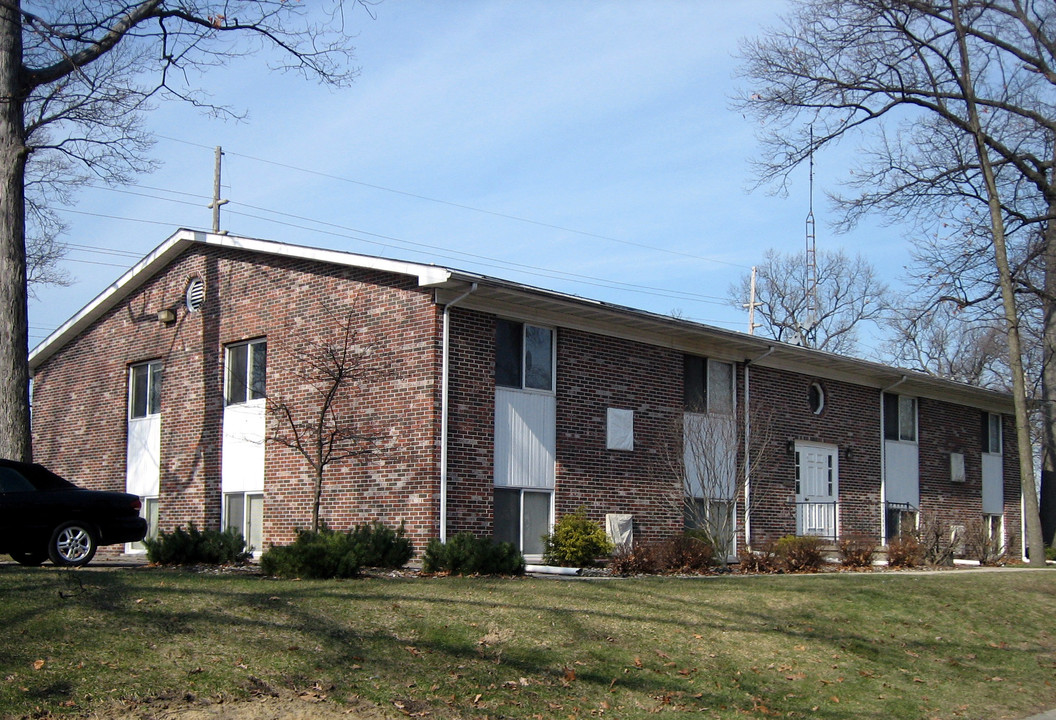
217	202
752	304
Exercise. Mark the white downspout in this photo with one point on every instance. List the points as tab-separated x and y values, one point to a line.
747	450
444	390
883	462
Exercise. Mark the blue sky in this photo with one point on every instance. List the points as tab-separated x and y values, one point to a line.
585	147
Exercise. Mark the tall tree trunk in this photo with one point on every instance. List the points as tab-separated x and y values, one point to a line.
1048	379
1028	488
14	324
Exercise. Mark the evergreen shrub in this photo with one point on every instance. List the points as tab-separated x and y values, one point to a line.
466	554
197	547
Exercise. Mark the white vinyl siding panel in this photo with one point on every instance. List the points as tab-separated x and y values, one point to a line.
143	458
993	484
242	462
709	446
525	438
902	472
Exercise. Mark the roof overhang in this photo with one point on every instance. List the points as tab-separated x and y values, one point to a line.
179	242
514	300
562	310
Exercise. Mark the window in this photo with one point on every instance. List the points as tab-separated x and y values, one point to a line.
524	356
995	532
522	517
992	433
144	389
12	481
148	511
901	520
714	518
900	418
244	513
246	371
708	385
816	398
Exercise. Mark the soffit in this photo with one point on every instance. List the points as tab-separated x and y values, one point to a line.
560	310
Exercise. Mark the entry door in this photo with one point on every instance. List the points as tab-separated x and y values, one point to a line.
817	488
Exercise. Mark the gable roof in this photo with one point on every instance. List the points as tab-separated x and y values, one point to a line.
494	295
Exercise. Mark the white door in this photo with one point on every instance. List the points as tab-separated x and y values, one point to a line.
817	488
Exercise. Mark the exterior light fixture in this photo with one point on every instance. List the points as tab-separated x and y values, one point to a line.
166	316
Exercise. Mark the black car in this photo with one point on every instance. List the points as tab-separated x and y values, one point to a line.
45	516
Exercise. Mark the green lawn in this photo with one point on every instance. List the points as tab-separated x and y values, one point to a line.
960	644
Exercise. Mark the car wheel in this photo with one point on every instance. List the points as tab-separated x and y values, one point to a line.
29	558
72	544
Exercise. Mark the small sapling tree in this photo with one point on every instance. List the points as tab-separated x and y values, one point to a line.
325	418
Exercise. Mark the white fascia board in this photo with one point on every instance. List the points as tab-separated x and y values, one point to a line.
133	278
428	276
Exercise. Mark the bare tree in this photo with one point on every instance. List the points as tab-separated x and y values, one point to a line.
955	103
938	341
325	418
76	77
707	457
849	295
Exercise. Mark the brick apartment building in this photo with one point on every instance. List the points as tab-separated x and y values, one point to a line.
510	406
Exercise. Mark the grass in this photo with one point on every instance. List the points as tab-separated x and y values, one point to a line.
952	645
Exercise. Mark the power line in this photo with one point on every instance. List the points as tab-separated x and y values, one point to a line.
436	250
493	213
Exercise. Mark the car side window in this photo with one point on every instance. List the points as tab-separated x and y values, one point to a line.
12	481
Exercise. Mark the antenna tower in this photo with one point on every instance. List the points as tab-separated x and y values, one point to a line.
813	309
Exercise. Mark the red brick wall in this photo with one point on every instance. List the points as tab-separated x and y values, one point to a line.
471	423
80	398
80	395
849	420
945	429
595	373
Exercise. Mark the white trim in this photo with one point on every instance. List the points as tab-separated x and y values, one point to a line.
505	298
138	274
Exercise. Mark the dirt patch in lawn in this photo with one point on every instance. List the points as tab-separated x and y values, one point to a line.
306	706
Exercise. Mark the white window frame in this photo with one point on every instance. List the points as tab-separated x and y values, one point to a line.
521	491
710	395
245	519
154	375
990	426
524	357
148	502
252	347
900	435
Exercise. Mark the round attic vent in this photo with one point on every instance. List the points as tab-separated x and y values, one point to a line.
816	398
194	296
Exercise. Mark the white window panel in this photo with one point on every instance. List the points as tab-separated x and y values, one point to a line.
242	457
620	435
525	438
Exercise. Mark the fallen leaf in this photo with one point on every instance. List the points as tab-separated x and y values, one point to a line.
569	675
38	664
